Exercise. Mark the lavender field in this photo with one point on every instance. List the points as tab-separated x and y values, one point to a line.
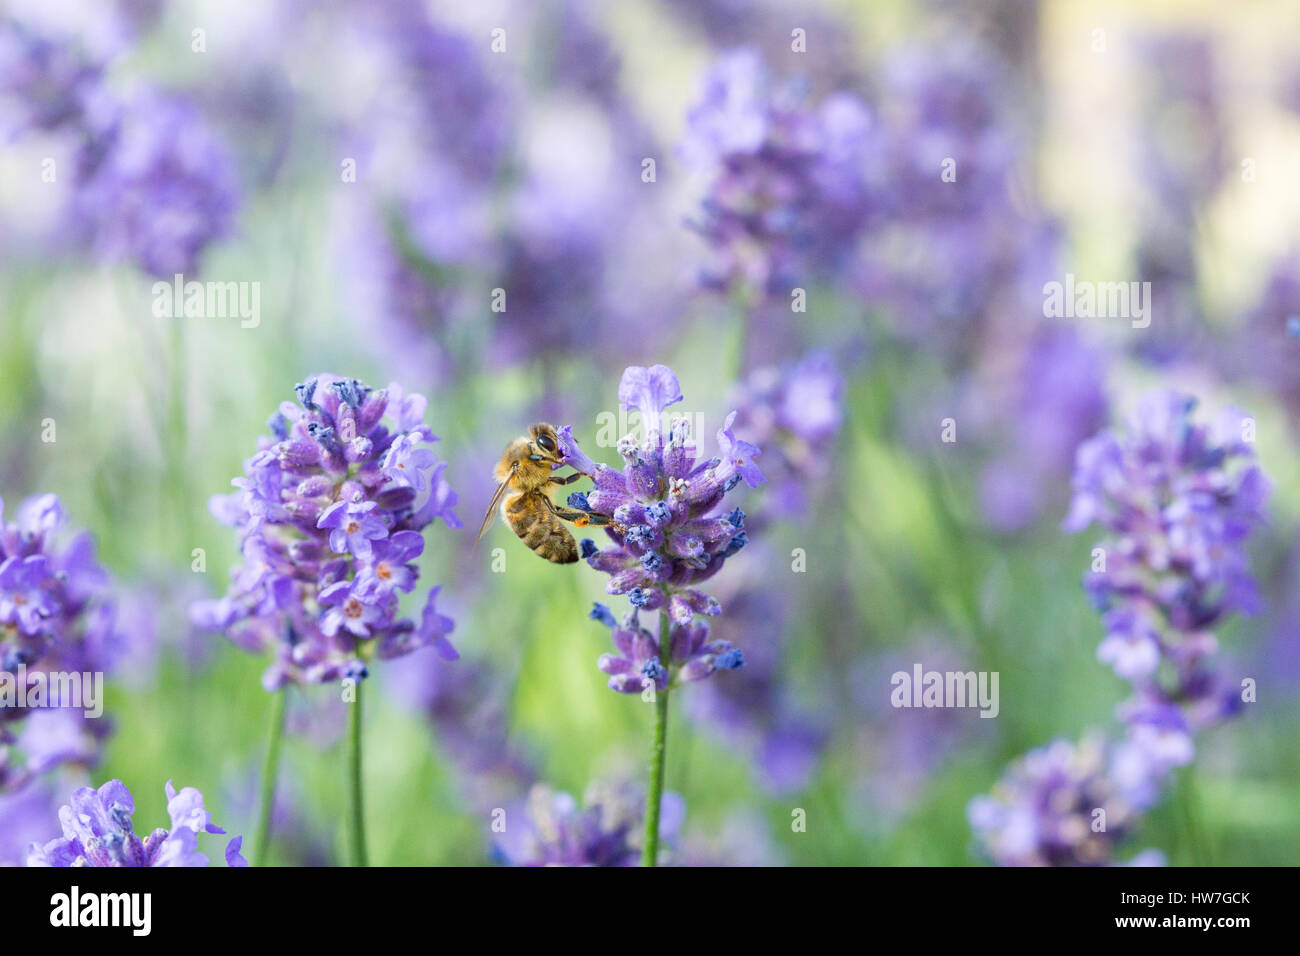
883	420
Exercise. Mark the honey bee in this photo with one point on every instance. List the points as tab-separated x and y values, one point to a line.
523	493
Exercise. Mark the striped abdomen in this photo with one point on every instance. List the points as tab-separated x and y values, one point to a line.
543	532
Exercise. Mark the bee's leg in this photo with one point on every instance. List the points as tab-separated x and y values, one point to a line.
581	518
566	480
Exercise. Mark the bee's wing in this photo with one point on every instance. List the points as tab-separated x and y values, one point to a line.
494	505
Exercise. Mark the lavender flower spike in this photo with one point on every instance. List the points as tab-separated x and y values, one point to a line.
331	515
671	531
1178	499
665	514
97	831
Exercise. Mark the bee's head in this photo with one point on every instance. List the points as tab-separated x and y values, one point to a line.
543	445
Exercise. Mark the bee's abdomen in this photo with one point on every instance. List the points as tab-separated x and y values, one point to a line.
542	531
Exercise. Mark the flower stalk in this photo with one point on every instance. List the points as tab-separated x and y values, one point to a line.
658	754
270	771
356	811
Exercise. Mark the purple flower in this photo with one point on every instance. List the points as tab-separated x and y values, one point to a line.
1265	348
55	616
604	831
737	456
23	598
649	391
331	514
390	568
152	184
950	145
1132	644
460	108
1158	734
1058	399
730	115
1179	500
1046	809
575	456
640	662
352	527
670	530
26	815
432	632
97	831
350	607
409	462
156	187
46	82
788	193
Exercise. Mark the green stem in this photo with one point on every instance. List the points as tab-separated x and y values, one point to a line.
356	816
270	771
654	797
1199	850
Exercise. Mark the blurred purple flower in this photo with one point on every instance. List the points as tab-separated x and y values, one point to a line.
1058	399
794	413
788	193
152	184
1265	347
26	815
952	150
55	616
157	186
463	111
742	839
1179	500
604	831
1065	804
46	82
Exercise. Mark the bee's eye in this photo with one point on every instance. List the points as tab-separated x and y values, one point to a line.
546	443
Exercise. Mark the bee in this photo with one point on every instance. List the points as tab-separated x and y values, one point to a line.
524	481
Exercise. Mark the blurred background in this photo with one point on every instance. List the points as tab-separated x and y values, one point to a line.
748	192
